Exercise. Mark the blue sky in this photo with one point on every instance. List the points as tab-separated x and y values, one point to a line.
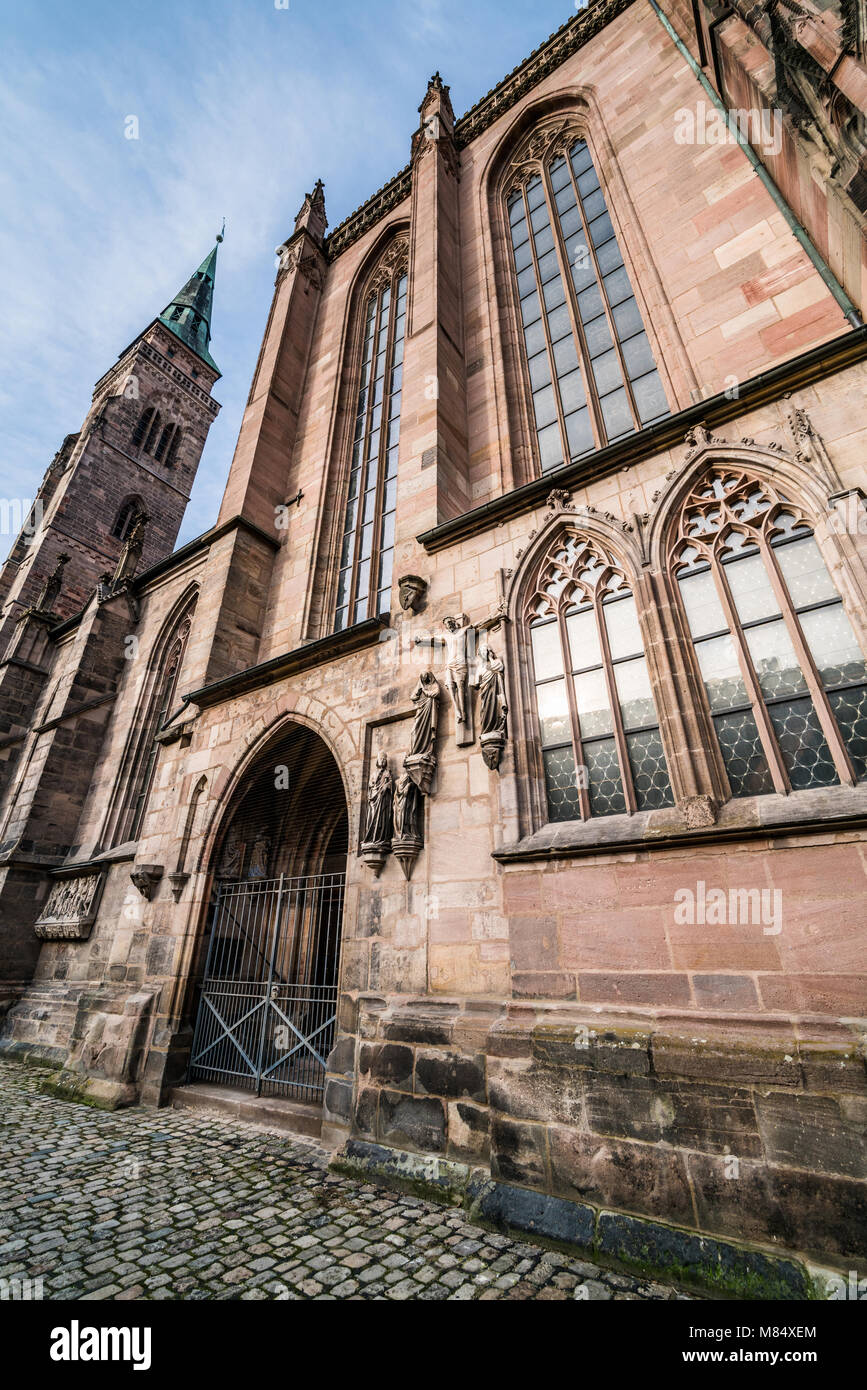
241	106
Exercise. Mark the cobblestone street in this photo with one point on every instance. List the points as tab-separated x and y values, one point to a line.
173	1204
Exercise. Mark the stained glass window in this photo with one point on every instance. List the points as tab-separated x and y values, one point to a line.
592	373
601	747
784	675
367	546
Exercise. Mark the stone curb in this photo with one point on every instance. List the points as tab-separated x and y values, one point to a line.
637	1244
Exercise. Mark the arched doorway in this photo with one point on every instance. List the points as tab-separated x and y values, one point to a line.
268	986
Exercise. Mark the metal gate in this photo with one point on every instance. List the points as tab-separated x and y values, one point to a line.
269	994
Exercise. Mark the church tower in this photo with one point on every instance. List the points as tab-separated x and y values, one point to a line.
136	455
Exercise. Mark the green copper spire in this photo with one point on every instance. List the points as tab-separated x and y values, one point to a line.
189	314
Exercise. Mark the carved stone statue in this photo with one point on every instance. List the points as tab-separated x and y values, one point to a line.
460	634
230	862
52	586
494	709
259	856
408	841
377	831
420	761
410	589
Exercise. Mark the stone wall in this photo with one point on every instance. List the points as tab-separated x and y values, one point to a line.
748	1132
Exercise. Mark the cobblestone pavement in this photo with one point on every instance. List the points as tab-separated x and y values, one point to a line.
176	1204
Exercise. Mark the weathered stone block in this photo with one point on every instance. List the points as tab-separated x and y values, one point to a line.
341	1058
519	1152
450	1075
418	1030
469	1130
367	1111
517	1209
747	1061
695	1259
824	1133
338	1099
625	1054
821	1215
532	1091
616	1173
411	1122
711	1118
389	1064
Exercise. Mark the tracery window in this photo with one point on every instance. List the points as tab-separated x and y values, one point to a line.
159	707
784	675
367	546
601	745
592	372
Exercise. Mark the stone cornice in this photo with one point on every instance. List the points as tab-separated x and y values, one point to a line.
769	386
835	810
565	41
314	654
371	212
543	60
179	378
122	368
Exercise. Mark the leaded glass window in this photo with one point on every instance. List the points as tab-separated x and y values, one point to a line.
592	373
601	746
783	672
367	546
169	658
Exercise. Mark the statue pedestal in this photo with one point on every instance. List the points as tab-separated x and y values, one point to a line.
421	768
406	851
492	749
375	854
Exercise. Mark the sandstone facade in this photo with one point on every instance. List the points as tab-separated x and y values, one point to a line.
519	995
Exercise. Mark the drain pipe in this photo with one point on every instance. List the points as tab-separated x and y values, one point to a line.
822	268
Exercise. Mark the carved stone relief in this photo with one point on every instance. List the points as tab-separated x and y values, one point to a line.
70	909
410	591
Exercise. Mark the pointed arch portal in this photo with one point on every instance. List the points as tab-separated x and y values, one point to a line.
268	993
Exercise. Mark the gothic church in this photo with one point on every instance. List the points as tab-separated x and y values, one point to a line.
485	792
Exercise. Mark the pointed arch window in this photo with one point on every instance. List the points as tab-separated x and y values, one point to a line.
173	447
159	707
143	426
367	544
153	433
601	746
168	446
592	373
783	672
126	519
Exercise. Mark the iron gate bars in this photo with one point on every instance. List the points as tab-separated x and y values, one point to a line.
269	995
